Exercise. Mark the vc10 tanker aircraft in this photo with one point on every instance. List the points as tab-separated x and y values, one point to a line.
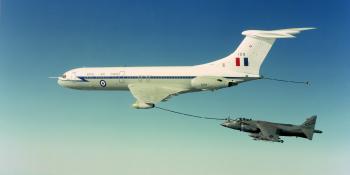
150	85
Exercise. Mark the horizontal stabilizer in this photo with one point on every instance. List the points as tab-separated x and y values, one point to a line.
281	33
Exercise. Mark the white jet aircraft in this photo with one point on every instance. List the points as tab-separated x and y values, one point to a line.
150	85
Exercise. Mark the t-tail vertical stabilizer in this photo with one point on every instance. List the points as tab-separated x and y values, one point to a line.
252	51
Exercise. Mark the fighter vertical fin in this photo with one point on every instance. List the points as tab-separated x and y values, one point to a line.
308	127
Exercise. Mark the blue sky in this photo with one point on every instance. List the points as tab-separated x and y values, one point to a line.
46	129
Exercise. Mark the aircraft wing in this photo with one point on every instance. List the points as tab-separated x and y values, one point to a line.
153	93
268	132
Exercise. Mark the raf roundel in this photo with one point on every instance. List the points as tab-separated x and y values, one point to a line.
103	83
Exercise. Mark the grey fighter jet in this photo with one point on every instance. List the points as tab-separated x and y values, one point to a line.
268	131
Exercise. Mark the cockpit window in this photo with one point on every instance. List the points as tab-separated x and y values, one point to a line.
64	76
244	119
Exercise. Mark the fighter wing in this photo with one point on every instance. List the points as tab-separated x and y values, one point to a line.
268	132
152	94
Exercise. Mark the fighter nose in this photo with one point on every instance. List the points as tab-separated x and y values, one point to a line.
224	124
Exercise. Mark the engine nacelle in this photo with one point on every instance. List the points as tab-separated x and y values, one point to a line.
140	105
210	83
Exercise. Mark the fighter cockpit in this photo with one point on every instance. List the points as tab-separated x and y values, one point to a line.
243	119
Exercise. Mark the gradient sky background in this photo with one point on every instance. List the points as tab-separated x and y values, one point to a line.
48	130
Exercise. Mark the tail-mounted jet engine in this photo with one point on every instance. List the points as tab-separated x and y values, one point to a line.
211	83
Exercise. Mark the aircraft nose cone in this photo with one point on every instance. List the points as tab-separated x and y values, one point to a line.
60	82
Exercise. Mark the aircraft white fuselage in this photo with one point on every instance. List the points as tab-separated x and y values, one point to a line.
118	78
150	85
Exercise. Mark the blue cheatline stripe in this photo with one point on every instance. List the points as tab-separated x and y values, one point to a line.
82	79
85	78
